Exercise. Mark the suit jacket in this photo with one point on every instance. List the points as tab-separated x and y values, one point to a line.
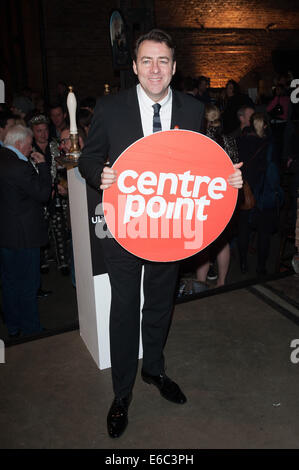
23	193
117	124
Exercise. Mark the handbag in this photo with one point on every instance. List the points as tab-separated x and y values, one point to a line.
249	199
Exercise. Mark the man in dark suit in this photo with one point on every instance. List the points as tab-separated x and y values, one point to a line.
23	192
118	122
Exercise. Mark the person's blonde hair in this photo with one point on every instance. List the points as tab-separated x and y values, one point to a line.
258	122
212	115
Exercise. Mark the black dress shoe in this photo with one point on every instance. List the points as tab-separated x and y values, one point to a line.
168	389
117	419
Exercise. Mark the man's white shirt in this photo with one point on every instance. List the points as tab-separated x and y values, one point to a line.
147	111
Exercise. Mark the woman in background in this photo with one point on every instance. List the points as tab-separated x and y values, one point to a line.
220	248
256	150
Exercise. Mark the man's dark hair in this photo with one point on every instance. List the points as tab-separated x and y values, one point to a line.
235	86
56	105
156	35
4	117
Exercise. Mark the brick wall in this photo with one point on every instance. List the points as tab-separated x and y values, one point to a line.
221	54
255	14
229	39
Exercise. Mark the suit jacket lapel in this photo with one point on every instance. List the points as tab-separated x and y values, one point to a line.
176	115
134	113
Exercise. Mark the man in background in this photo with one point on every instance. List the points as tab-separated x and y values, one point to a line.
23	193
244	114
58	121
203	92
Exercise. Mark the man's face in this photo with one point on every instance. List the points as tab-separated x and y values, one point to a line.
25	146
245	119
10	123
41	133
65	141
154	67
57	117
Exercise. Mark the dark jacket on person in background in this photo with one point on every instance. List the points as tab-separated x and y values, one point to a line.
23	193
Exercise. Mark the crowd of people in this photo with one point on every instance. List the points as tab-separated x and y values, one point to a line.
263	134
31	133
255	133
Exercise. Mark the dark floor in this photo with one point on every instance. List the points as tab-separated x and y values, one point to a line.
229	352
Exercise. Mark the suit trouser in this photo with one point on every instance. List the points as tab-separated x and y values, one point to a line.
159	284
20	273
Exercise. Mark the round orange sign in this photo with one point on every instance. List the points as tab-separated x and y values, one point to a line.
171	198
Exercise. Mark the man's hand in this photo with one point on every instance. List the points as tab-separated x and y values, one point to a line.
236	180
108	177
37	157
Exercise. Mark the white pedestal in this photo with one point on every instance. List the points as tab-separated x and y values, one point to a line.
93	291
